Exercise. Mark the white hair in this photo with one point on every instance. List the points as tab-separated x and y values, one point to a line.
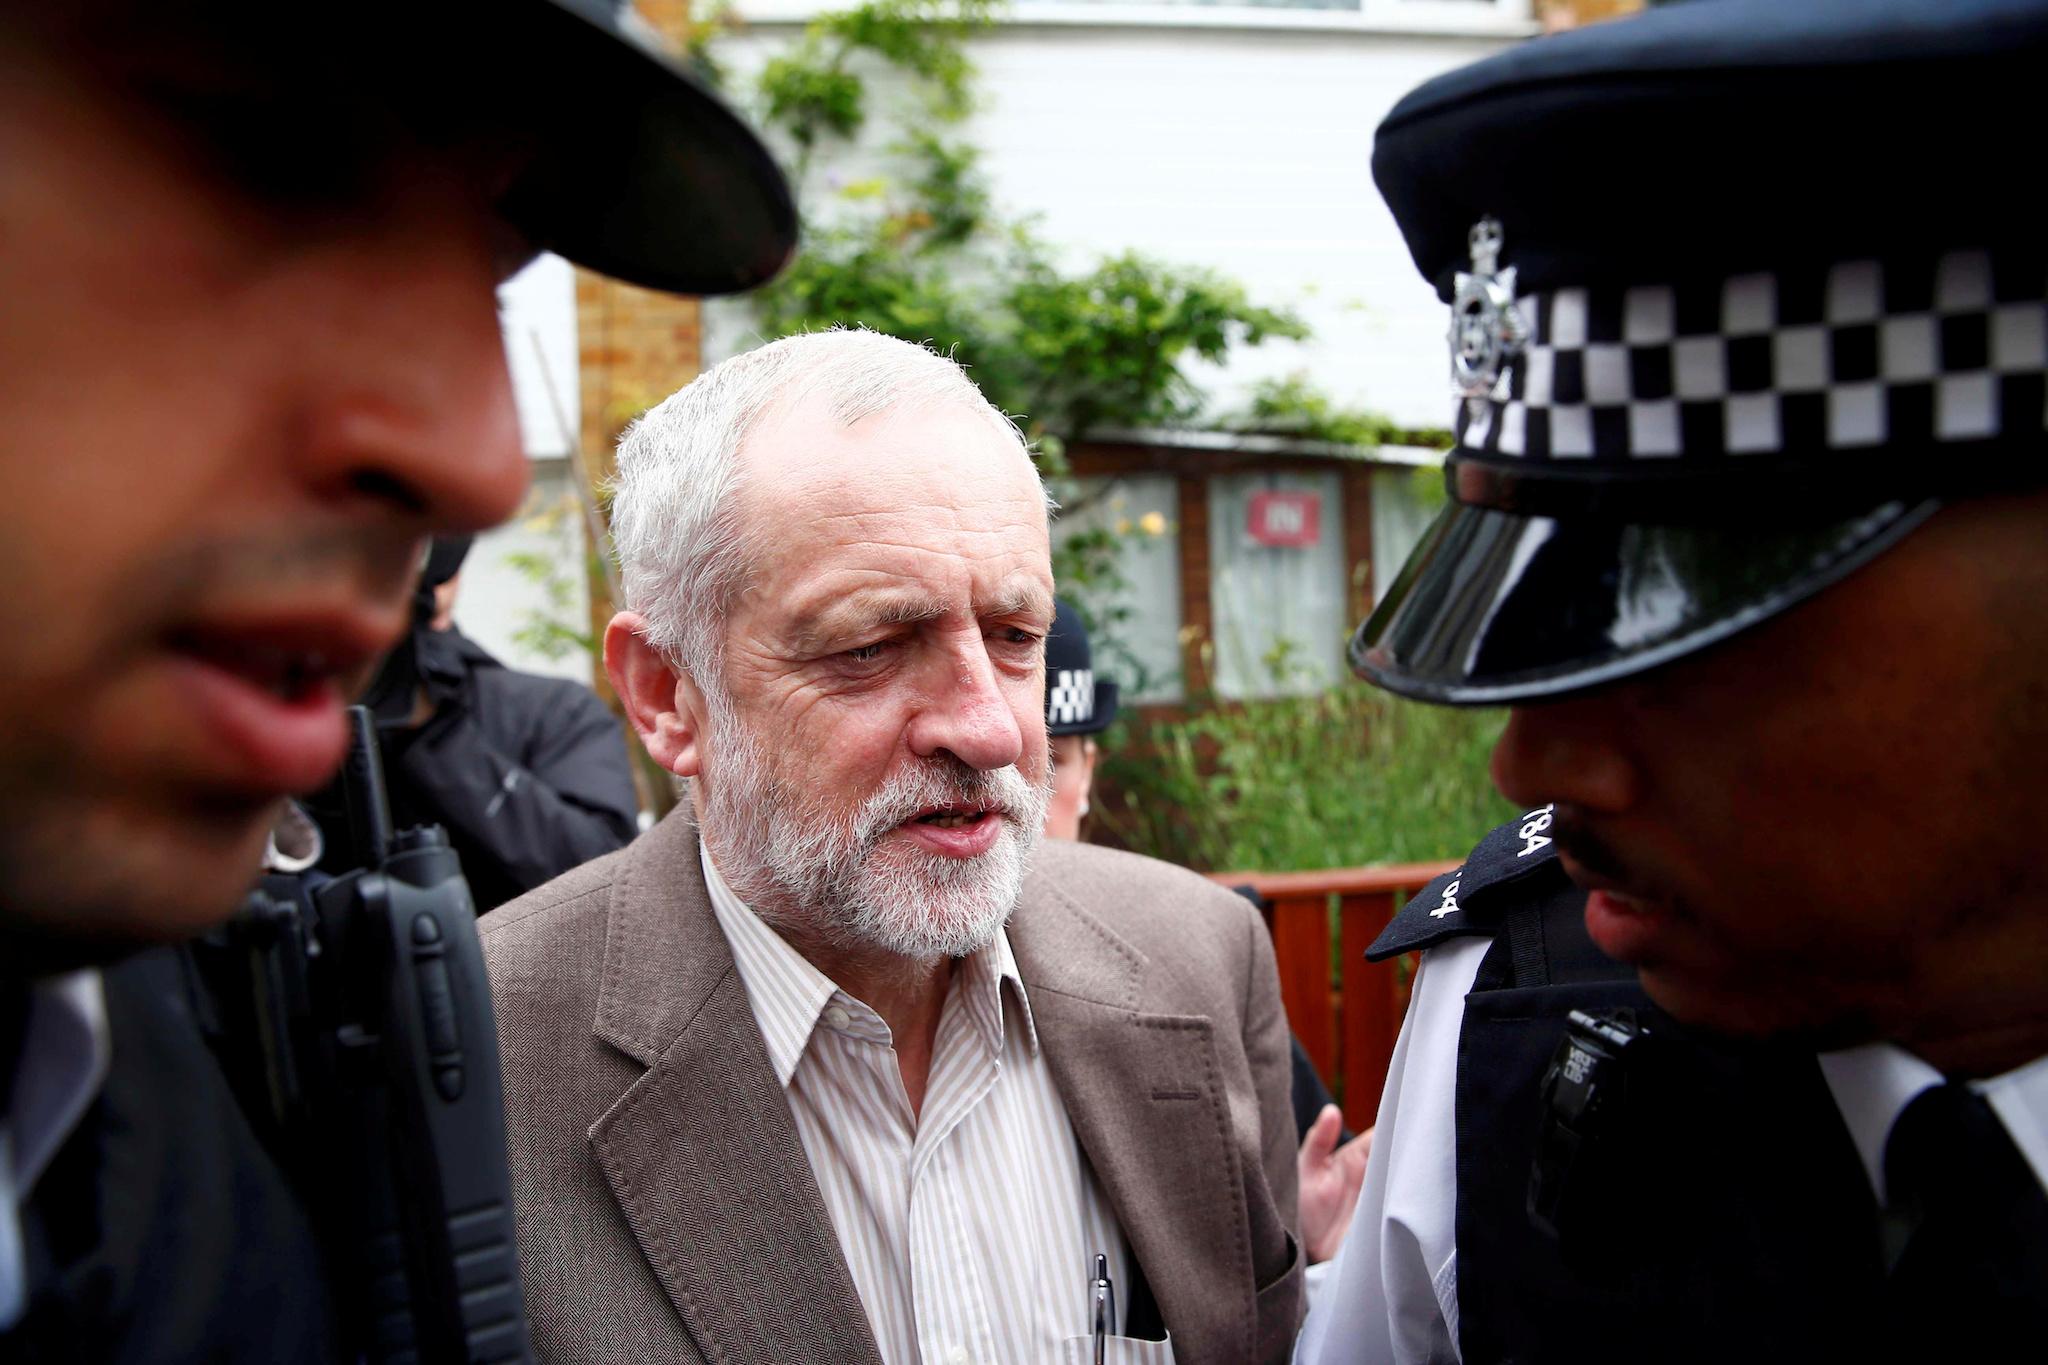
683	553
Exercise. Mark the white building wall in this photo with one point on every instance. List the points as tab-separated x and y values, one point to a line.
1239	140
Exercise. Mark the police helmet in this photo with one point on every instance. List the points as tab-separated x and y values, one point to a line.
1076	701
1741	293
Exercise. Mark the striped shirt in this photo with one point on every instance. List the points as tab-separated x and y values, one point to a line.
971	1228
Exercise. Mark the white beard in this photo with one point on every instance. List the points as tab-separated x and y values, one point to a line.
800	864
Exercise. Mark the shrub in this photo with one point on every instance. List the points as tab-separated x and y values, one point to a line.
1346	778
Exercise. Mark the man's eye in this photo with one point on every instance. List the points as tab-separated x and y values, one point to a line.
865	654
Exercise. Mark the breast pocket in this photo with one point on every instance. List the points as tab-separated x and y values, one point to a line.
1117	1351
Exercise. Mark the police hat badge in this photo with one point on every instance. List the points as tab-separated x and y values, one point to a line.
1487	331
1710	354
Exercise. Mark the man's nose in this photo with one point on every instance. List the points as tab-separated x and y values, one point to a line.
1566	752
409	405
968	714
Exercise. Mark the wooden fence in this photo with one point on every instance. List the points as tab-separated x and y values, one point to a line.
1345	1010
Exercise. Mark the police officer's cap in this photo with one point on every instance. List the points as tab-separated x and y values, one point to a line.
667	188
1076	701
622	161
1742	291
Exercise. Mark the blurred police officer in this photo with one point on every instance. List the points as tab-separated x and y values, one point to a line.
249	359
1749	527
1079	705
528	774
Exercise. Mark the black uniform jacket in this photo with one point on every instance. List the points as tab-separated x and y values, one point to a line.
528	774
1714	1210
163	1231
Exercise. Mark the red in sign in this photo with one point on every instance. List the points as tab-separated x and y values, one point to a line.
1285	520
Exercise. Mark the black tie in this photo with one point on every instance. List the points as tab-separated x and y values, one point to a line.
1965	1230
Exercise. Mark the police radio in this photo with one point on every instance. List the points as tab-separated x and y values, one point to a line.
370	1028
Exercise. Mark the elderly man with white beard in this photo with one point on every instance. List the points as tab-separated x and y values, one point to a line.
836	1063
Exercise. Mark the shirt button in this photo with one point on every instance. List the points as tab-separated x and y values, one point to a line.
835	1017
957	1356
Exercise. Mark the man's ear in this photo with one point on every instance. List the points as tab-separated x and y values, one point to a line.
663	703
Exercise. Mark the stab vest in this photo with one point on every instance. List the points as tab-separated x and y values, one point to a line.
1719	1213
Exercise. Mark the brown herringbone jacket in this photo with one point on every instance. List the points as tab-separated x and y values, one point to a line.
666	1211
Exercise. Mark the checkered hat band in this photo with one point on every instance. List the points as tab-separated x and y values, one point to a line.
1070	697
1855	355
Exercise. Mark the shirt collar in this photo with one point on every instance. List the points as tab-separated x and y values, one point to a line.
64	1057
1874	1083
789	996
985	981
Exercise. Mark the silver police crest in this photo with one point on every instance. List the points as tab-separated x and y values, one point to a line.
1487	332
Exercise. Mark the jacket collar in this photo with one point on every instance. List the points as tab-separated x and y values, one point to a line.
1142	1092
701	1151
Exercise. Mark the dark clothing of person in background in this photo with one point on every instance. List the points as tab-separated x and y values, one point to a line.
1308	1094
528	774
163	1206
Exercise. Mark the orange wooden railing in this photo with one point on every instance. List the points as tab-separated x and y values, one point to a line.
1345	1010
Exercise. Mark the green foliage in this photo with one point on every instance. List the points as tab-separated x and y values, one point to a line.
1347	778
547	630
850	276
811	100
946	183
560	626
1105	347
1427	485
818	90
1294	406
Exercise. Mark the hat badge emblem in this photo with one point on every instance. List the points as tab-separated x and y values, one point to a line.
1487	332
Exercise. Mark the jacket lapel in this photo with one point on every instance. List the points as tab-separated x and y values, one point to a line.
1143	1095
701	1151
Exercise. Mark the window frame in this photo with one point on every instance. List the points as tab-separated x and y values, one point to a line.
1445	18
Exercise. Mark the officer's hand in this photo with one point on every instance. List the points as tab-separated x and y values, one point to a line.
1330	1180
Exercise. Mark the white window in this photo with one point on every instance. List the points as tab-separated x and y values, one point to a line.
1138	642
1449	16
1277	582
1404	502
537	316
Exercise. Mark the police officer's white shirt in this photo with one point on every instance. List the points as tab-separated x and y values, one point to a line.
64	1053
1873	1085
1393	1295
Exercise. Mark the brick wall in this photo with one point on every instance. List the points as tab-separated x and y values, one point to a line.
634	347
1562	14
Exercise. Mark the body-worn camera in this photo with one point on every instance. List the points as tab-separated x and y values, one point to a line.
369	1054
1583	1091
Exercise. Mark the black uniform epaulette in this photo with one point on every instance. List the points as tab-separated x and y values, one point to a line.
1458	902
